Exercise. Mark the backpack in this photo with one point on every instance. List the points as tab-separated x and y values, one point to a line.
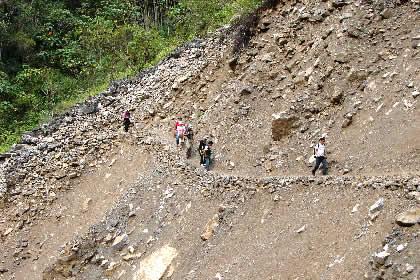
188	132
202	145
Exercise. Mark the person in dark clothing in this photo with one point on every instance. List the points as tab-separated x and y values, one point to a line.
126	121
203	143
207	155
189	138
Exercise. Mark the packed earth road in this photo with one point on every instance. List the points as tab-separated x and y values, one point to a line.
80	198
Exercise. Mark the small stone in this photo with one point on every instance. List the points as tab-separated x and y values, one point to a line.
132	256
112	267
414	195
85	205
3	269
233	62
267	57
338	3
120	241
210	227
131	249
302	229
337	97
387	13
409	268
246	91
409	218
375	209
175	86
73	175
341	57
355	208
415	93
346	123
114	222
381	257
9	230
401	247
377	206
108	237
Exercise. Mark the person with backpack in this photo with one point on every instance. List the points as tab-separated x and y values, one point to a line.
320	155
189	138
203	144
126	120
207	155
180	134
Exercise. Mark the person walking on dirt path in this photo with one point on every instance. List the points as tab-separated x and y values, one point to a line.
207	155
176	130
126	120
189	138
180	134
203	144
320	155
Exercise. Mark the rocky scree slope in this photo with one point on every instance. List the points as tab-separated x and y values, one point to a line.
329	68
347	71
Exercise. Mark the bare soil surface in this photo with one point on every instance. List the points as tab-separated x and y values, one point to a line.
85	204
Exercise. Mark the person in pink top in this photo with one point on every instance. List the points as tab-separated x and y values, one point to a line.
175	129
180	134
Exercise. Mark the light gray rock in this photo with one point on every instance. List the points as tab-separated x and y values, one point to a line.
409	218
387	13
375	209
381	257
120	241
346	123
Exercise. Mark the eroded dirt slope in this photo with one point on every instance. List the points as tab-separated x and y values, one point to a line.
83	200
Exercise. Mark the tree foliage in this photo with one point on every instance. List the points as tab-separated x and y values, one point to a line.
54	51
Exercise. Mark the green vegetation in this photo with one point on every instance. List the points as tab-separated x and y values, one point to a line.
56	53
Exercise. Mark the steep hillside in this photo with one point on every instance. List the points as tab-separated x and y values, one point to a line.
81	199
337	70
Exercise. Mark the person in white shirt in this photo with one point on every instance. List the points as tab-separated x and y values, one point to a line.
320	157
